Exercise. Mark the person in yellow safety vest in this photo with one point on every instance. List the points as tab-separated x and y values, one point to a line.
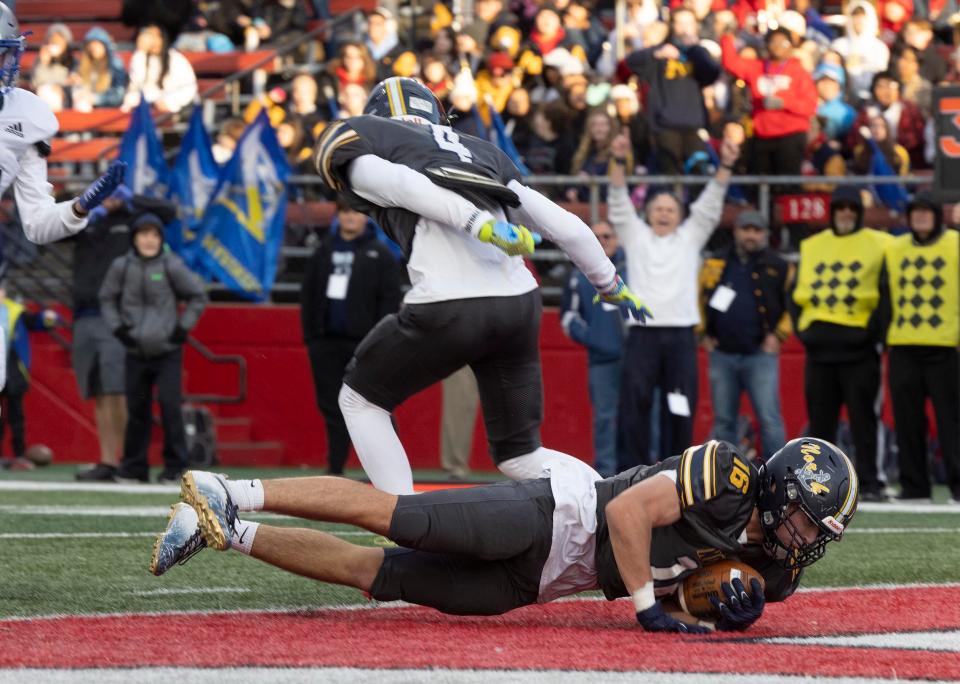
15	321
922	271
837	319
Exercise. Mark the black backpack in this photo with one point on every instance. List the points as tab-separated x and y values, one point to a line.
201	436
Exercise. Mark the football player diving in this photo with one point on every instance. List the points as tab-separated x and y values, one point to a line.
454	204
489	549
26	126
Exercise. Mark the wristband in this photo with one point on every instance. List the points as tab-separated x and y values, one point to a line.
643	597
728	168
622	161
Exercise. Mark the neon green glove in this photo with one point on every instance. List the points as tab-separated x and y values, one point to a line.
512	239
618	294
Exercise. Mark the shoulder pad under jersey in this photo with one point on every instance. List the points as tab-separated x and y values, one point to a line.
25	113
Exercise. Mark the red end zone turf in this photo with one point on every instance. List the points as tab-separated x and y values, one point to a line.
571	635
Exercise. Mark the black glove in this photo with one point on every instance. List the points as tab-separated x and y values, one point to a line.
178	336
123	334
654	619
741	609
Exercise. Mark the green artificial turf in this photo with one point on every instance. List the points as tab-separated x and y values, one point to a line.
67	574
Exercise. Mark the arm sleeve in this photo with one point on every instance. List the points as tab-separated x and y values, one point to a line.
706	212
109	293
621	212
189	287
570	233
387	184
705	69
640	61
745	69
44	220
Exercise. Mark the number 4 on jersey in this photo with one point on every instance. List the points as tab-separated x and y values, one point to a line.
448	140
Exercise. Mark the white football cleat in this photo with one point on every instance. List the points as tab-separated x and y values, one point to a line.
208	495
179	542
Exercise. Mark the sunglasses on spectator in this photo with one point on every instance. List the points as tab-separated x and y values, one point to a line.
605	236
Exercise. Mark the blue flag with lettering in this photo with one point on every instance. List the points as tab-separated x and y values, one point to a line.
893	195
147	171
239	238
505	142
192	180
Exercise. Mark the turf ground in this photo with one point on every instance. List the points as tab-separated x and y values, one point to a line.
68	551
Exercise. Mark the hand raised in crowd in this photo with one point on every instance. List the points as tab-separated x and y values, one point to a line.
729	152
667	51
619	148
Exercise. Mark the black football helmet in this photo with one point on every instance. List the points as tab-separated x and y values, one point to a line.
405	98
816	477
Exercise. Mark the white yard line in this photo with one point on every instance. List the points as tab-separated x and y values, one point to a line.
172	591
122	535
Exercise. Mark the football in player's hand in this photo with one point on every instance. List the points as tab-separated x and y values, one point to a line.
697	589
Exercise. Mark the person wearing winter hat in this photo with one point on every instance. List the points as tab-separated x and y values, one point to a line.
97	357
140	301
923	276
838	319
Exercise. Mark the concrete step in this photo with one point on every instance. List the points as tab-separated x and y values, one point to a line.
250	453
233	430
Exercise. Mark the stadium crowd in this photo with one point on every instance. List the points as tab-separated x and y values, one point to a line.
806	87
805	91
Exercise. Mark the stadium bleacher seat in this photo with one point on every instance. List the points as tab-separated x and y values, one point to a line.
203	63
65	10
38	31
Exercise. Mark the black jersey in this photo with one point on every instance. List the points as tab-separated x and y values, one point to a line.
718	490
472	167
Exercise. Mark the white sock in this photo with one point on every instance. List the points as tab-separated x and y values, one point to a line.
379	449
243	534
247	494
533	465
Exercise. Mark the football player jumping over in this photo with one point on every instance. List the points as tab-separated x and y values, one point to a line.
454	203
487	550
26	126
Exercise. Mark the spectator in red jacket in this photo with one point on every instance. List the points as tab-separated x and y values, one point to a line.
904	118
784	99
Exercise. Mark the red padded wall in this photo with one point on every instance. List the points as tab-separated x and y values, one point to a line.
280	399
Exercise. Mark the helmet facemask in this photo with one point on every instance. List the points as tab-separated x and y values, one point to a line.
797	551
11	49
808	495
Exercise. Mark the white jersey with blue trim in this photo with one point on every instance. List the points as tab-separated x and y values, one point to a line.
27	126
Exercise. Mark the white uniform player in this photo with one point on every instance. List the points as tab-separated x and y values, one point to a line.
26	127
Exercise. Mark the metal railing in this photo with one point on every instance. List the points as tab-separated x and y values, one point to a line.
764	185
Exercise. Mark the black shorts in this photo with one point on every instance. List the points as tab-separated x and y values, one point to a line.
475	551
498	337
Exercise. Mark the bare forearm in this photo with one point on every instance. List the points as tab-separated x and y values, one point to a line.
331	499
630	535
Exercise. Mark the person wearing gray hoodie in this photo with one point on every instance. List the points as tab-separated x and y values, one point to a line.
140	302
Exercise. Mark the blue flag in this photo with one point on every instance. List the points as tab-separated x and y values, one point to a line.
505	142
147	172
192	180
892	195
239	238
